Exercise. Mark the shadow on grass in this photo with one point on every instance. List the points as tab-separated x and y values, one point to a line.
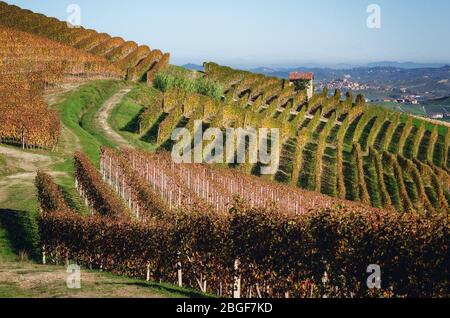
165	288
152	134
169	143
22	230
133	125
69	198
189	293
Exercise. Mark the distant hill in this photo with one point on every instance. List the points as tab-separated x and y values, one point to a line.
407	65
193	67
335	67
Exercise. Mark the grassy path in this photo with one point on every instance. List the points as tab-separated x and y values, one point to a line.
25	279
124	120
101	120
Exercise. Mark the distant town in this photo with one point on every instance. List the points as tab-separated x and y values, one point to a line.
405	97
400	96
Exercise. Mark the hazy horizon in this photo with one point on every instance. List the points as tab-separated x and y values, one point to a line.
337	66
284	33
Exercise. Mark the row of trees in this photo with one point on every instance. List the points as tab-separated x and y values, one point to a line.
99	197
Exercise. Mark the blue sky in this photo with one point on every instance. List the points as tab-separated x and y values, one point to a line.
270	32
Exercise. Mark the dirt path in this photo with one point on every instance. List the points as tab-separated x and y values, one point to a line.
26	161
56	95
24	166
20	166
101	120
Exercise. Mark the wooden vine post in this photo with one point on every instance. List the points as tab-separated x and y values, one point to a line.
44	258
237	280
179	274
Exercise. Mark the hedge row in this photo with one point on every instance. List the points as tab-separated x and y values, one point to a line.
100	197
133	59
167	126
139	72
121	51
325	252
160	65
321	164
49	194
378	163
405	201
381	135
152	100
245	85
364	196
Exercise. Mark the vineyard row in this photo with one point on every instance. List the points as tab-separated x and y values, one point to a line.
327	144
257	252
190	186
135	62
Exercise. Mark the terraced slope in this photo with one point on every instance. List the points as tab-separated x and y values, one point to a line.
336	146
25	55
138	63
29	64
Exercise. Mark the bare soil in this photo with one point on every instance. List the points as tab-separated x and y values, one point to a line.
101	119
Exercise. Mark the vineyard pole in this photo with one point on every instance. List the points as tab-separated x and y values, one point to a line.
44	259
237	281
179	274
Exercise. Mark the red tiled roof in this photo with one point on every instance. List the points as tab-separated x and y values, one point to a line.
293	76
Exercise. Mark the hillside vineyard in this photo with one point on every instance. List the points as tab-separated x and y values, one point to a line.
190	186
38	53
348	173
338	147
279	253
30	64
137	63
